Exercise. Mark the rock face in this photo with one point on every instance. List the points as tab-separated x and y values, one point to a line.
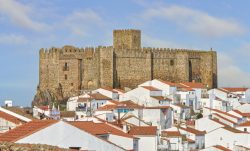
46	97
5	146
66	71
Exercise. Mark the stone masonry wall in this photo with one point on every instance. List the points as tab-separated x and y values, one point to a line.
70	69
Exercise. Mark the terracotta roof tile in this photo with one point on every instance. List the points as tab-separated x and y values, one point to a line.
225	113
222	148
192	130
235	89
161	98
109	89
242	114
193	84
219	116
20	111
143	130
119	90
157	107
67	114
233	129
124	104
168	83
99	96
25	130
150	88
99	128
245	124
190	140
82	99
11	118
218	121
171	134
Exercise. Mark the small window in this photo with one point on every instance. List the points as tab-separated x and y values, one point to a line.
72	84
66	77
171	62
245	129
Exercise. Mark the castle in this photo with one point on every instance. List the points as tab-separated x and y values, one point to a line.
69	69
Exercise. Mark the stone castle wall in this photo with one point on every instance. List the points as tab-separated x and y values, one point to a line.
126	64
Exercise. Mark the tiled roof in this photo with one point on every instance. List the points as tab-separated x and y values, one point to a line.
225	113
222	148
193	131
190	140
220	89
218	121
235	89
109	89
45	108
245	124
168	83
25	130
117	105
150	88
185	89
226	119
157	107
83	99
193	84
171	134
11	118
20	111
107	107
242	114
160	98
233	129
119	90
99	128
99	96
129	104
67	114
143	130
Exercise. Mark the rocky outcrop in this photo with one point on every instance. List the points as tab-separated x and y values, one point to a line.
46	97
6	146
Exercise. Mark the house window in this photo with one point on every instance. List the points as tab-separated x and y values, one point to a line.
171	62
66	77
245	129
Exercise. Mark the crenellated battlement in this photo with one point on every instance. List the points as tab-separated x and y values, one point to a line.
125	64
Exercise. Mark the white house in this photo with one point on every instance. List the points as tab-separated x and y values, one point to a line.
64	135
10	120
147	137
227	137
208	124
245	127
194	135
181	112
109	92
171	139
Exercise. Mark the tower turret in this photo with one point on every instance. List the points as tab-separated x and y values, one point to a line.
127	39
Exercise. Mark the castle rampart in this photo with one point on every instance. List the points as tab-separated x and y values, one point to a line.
125	64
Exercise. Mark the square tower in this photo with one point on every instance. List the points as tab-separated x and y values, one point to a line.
127	39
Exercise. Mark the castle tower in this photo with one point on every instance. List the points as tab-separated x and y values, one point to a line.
127	39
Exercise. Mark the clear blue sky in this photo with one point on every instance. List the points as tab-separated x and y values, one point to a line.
28	25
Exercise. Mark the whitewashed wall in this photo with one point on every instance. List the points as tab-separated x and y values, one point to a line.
65	135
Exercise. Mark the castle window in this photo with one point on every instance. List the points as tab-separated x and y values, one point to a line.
66	67
66	77
171	62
